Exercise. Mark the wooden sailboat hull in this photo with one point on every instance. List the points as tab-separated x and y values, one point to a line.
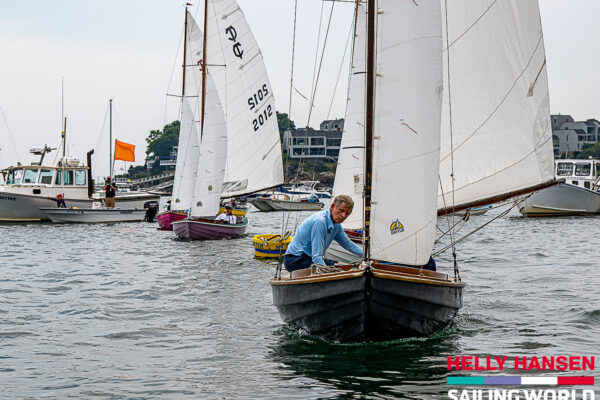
207	229
290	205
379	303
165	219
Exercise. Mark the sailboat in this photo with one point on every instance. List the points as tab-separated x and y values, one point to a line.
237	100
188	147
420	61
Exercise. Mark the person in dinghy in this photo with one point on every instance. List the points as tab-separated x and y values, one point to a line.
317	232
227	217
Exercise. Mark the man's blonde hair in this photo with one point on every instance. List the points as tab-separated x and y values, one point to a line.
342	198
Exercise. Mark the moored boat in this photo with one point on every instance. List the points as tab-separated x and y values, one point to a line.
95	215
578	195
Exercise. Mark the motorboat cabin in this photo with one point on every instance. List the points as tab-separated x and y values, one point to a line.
582	173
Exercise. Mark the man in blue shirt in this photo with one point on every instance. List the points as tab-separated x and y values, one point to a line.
317	232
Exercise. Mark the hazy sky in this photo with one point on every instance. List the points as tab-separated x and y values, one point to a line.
128	51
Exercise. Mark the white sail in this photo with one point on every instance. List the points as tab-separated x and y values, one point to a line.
187	160
406	133
498	98
254	158
213	150
349	174
188	149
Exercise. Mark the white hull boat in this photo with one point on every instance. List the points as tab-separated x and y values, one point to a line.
563	199
293	205
95	215
579	195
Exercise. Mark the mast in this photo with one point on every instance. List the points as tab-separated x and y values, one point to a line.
370	100
184	54
204	67
64	136
110	155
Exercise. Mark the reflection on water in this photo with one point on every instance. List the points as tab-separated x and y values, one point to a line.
407	368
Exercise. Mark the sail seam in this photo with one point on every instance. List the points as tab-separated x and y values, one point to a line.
518	78
528	155
471	26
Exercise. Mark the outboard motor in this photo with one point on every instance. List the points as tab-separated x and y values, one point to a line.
151	210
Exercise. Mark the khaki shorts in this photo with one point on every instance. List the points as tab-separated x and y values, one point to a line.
109	202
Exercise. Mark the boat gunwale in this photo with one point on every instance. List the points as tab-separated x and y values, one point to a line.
334	276
399	276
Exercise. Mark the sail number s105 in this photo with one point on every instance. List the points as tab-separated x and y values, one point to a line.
254	101
257	97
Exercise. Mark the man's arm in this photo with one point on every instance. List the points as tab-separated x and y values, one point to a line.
317	242
348	244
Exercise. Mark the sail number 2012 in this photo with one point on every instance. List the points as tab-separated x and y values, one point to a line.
262	118
254	101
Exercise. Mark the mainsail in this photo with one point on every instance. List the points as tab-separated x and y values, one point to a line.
349	174
188	150
406	134
254	159
496	132
213	149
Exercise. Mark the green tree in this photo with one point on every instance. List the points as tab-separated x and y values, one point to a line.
285	124
161	142
589	150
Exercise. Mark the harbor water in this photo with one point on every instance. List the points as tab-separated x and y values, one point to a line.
127	311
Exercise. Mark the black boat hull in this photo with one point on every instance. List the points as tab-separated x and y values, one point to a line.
371	304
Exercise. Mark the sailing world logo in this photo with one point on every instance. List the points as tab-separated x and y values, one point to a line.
396	227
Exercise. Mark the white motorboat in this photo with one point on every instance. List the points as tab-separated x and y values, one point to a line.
578	195
94	215
31	187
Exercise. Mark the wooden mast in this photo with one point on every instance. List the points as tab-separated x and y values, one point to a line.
184	54
204	67
371	15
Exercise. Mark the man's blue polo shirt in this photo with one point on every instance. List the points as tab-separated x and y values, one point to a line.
316	234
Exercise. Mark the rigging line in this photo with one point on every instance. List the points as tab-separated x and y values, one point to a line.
171	76
225	101
515	203
337	80
95	156
310	103
452	239
320	63
9	134
293	56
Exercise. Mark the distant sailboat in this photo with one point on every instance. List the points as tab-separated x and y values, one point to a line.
188	148
253	152
388	295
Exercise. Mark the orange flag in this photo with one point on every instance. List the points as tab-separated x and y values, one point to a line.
124	151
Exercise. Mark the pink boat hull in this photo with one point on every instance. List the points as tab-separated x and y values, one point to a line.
165	219
205	230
